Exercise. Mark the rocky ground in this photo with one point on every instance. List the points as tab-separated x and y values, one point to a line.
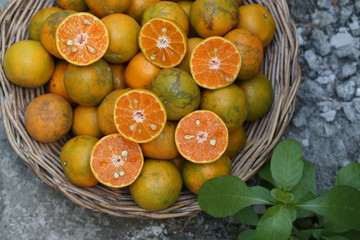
326	122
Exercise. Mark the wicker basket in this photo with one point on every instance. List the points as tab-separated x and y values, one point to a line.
280	65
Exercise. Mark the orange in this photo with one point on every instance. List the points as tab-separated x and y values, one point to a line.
177	90
28	64
215	63
38	19
237	141
75	160
186	6
213	17
118	71
140	71
201	136
139	115
86	122
137	8
88	85
192	43
229	103
115	161
195	174
56	83
258	20
105	112
158	186
259	95
102	8
76	5
48	117
251	51
48	31
123	33
178	162
168	10
162	147
163	42
82	39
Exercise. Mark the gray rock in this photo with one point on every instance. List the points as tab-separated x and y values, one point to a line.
327	77
346	90
345	14
348	69
312	60
323	18
321	42
329	115
354	26
351	112
341	39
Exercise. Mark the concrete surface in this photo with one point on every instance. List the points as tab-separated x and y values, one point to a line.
326	122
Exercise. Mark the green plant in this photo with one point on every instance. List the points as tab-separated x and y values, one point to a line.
293	208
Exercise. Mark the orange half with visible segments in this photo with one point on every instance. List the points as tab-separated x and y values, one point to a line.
115	161
82	39
201	136
139	115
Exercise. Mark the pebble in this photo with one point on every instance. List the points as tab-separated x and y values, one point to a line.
341	39
351	112
348	69
346	90
329	116
322	44
311	59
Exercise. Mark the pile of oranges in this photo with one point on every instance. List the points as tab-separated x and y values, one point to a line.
153	94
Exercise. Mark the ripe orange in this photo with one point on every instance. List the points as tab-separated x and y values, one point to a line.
259	96
48	117
56	83
137	8
158	186
195	174
140	71
139	115
229	103
258	20
75	160
86	122
28	64
237	141
251	51
118	72
178	162
123	33
163	42
82	39
115	161
105	112
38	19
76	5
102	8
88	85
213	17
201	136
215	63
177	90
162	147
48	31
168	10
192	43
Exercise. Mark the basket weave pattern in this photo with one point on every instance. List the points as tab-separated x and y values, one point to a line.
280	66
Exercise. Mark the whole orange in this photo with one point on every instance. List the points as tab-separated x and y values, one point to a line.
185	63
38	19
118	72
102	8
28	64
162	147
123	33
76	5
86	115
196	174
75	160
258	20
237	141
158	185
88	85
251	51
137	8
139	72
48	117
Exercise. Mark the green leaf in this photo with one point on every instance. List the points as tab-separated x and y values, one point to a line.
340	205
336	238
247	216
247	234
265	173
262	193
275	224
281	196
286	164
226	195
302	213
351	235
307	182
349	175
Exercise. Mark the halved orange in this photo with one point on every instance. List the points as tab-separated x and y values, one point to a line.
82	39
139	115
215	63
163	42
115	161
201	136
